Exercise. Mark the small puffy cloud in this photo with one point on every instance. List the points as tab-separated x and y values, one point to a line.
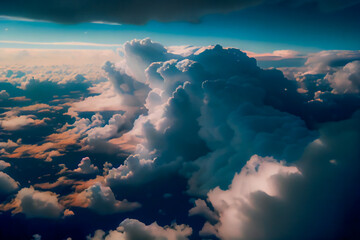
101	199
202	209
86	167
7	184
36	237
116	123
35	204
4	94
68	213
4	165
131	229
10	144
13	123
106	101
346	80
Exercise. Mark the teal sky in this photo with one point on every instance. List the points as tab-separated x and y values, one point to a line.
180	33
257	29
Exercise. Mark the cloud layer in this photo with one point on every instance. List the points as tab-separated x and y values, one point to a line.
183	143
131	229
140	11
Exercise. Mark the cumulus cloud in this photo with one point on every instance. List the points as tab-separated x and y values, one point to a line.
117	123
4	94
4	165
106	101
268	200
328	81
86	167
35	204
347	79
131	229
258	175
222	99
68	213
202	209
12	123
210	111
101	199
325	61
56	143
7	184
9	145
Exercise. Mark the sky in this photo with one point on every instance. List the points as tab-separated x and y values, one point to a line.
136	120
259	28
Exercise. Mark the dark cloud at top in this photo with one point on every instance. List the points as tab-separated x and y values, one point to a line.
140	11
134	12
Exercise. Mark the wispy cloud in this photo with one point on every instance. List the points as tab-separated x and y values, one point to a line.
84	44
106	23
22	19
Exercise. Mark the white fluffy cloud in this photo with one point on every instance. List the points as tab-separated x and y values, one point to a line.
86	167
12	123
269	200
101	199
116	123
132	229
211	107
4	94
7	184
35	204
347	79
4	165
258	176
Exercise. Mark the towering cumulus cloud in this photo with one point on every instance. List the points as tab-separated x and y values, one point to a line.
214	107
191	143
251	143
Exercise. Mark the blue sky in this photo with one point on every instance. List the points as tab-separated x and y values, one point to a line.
257	29
181	33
